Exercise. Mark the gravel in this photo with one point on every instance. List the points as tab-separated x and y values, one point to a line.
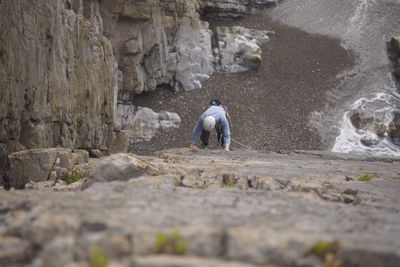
269	108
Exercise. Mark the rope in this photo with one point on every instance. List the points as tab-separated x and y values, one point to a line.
242	144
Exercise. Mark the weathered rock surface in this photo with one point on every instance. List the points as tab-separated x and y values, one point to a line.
119	167
53	59
56	73
42	164
251	209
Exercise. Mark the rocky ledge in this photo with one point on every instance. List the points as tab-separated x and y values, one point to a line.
209	208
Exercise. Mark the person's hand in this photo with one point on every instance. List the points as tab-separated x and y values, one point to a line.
227	148
193	146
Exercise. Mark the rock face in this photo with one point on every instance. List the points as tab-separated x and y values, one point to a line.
247	209
56	73
53	59
65	65
158	42
166	43
41	164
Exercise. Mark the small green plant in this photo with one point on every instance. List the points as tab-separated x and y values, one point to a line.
230	184
172	243
321	248
365	177
326	251
73	177
161	241
98	258
182	247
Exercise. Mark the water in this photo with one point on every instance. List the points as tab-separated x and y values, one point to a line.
364	27
380	106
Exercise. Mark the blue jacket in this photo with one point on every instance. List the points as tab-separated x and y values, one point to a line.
220	118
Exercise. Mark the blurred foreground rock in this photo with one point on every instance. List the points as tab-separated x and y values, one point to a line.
211	208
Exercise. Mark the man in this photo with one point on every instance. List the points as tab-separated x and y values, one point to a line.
214	116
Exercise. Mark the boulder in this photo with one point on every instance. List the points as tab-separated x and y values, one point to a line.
95	153
142	124
380	130
119	167
360	120
239	48
370	141
39	164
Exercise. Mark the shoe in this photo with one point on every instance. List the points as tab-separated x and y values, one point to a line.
202	146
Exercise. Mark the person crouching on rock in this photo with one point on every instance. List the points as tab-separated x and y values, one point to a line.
213	117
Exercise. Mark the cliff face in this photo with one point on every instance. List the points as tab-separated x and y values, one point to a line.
158	42
57	77
71	68
57	84
163	42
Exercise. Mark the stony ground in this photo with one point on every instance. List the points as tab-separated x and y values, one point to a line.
213	208
269	108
